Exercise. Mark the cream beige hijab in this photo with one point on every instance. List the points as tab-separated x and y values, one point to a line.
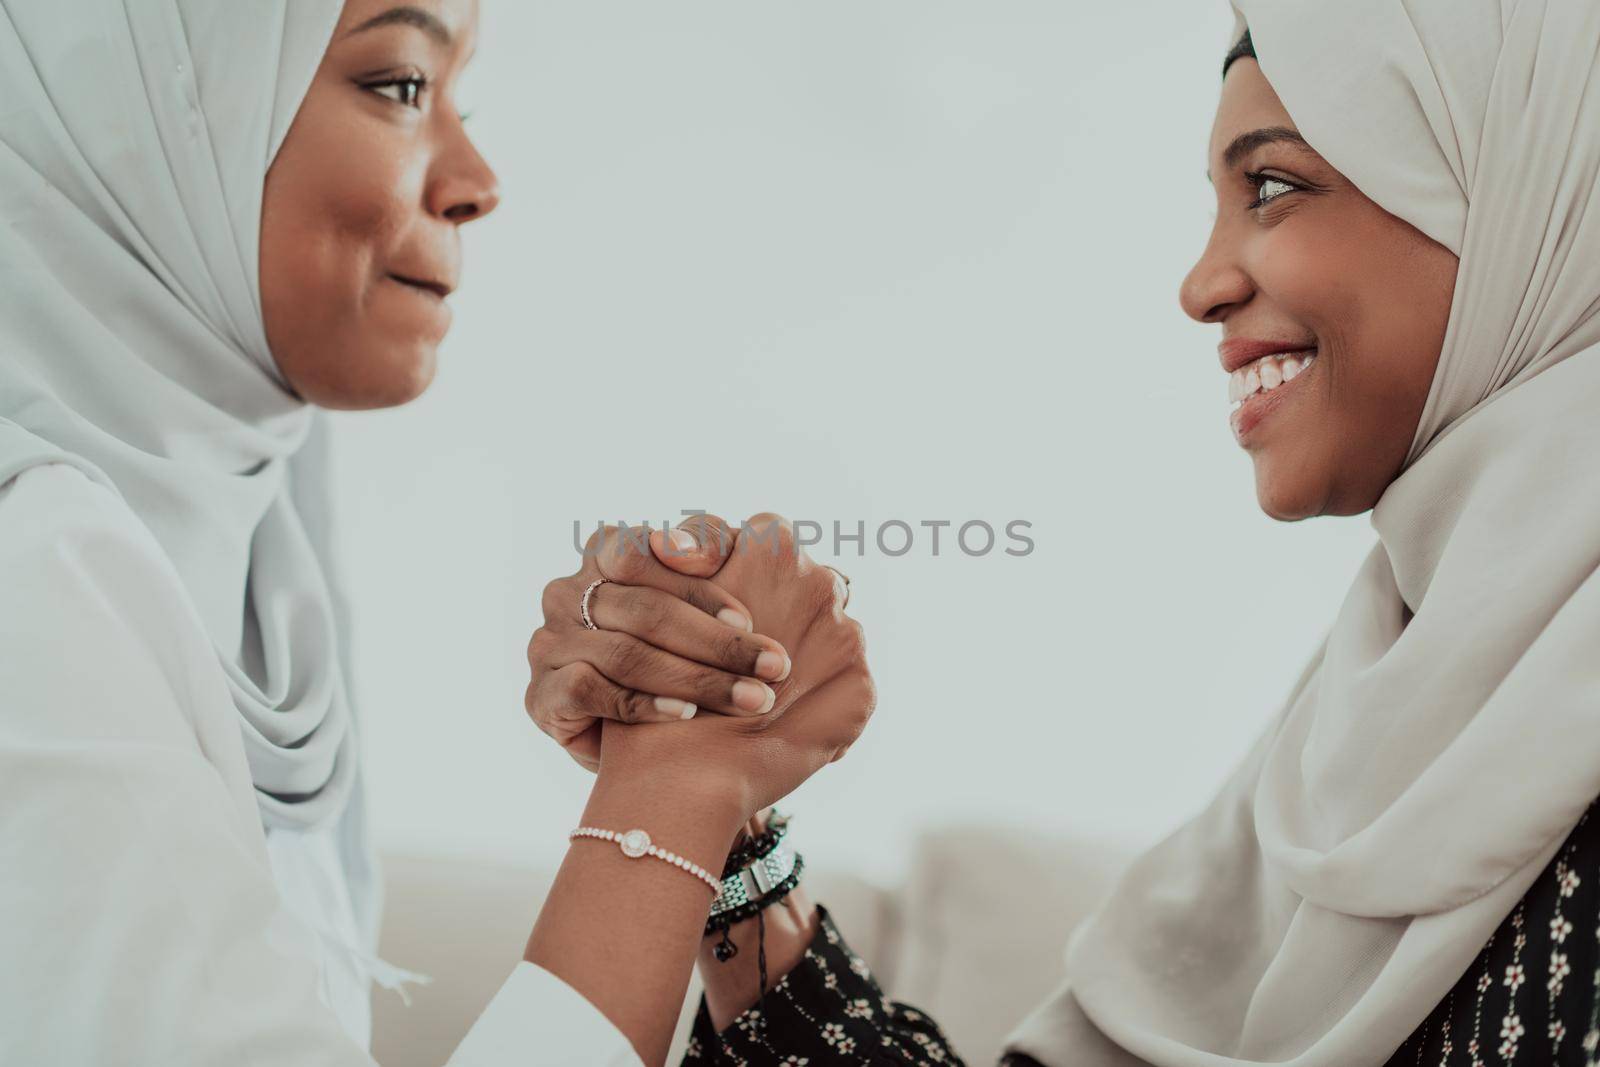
1424	769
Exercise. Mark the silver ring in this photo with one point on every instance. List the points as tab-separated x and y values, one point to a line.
583	605
846	578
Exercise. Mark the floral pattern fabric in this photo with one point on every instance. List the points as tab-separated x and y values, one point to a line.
828	1010
1531	997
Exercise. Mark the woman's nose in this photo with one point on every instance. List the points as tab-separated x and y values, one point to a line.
466	187
1213	285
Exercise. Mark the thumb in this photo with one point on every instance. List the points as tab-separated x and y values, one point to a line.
698	546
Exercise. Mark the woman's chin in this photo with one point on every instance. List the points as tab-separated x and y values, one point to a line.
396	374
405	378
1285	489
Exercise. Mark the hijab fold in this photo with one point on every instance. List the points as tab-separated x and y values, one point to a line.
1443	739
135	137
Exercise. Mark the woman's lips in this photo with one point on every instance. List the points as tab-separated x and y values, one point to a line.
438	289
1260	404
429	297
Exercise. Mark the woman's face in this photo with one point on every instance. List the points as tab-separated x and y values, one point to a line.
360	223
1299	259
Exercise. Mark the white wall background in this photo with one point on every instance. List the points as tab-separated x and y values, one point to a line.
905	259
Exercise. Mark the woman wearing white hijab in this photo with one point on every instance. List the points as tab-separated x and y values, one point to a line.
1402	869
213	216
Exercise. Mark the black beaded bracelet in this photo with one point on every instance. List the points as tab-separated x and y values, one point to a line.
725	949
757	847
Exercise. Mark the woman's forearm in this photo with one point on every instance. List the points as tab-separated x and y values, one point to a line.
625	932
733	986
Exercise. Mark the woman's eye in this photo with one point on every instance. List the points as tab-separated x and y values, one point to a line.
405	91
1263	183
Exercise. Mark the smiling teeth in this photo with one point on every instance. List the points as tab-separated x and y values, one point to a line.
1265	375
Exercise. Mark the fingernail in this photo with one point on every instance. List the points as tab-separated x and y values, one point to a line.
683	540
752	696
773	666
672	706
734	618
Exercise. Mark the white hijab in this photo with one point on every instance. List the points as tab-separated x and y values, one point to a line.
1424	769
134	142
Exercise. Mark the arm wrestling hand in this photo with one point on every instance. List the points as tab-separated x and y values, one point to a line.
819	709
666	645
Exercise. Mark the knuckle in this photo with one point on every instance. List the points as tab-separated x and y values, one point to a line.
580	678
868	694
627	565
539	647
853	733
627	707
854	641
553	597
597	542
862	697
769	531
582	691
560	684
556	696
820	589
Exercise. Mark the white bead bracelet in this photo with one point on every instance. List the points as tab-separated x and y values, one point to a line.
636	843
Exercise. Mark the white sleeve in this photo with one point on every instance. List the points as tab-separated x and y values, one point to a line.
569	1031
139	919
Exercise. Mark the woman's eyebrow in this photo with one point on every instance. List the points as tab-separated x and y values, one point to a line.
1242	145
422	19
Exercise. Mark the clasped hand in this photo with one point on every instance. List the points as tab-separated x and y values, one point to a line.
742	625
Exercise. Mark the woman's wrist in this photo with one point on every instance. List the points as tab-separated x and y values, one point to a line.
694	818
608	904
662	759
732	986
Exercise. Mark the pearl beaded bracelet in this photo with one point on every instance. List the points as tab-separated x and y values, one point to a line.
636	843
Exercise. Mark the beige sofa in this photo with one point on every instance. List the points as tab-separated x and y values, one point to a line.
974	936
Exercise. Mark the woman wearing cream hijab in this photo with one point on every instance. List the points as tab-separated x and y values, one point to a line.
1443	742
1402	869
217	216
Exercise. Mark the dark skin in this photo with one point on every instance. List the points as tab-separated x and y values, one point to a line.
626	933
1300	252
360	230
372	184
1316	260
360	243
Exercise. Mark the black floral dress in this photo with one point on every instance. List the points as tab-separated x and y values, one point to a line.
1532	996
828	1010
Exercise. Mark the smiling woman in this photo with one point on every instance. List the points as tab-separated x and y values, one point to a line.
1302	263
1389	875
1406	271
363	206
